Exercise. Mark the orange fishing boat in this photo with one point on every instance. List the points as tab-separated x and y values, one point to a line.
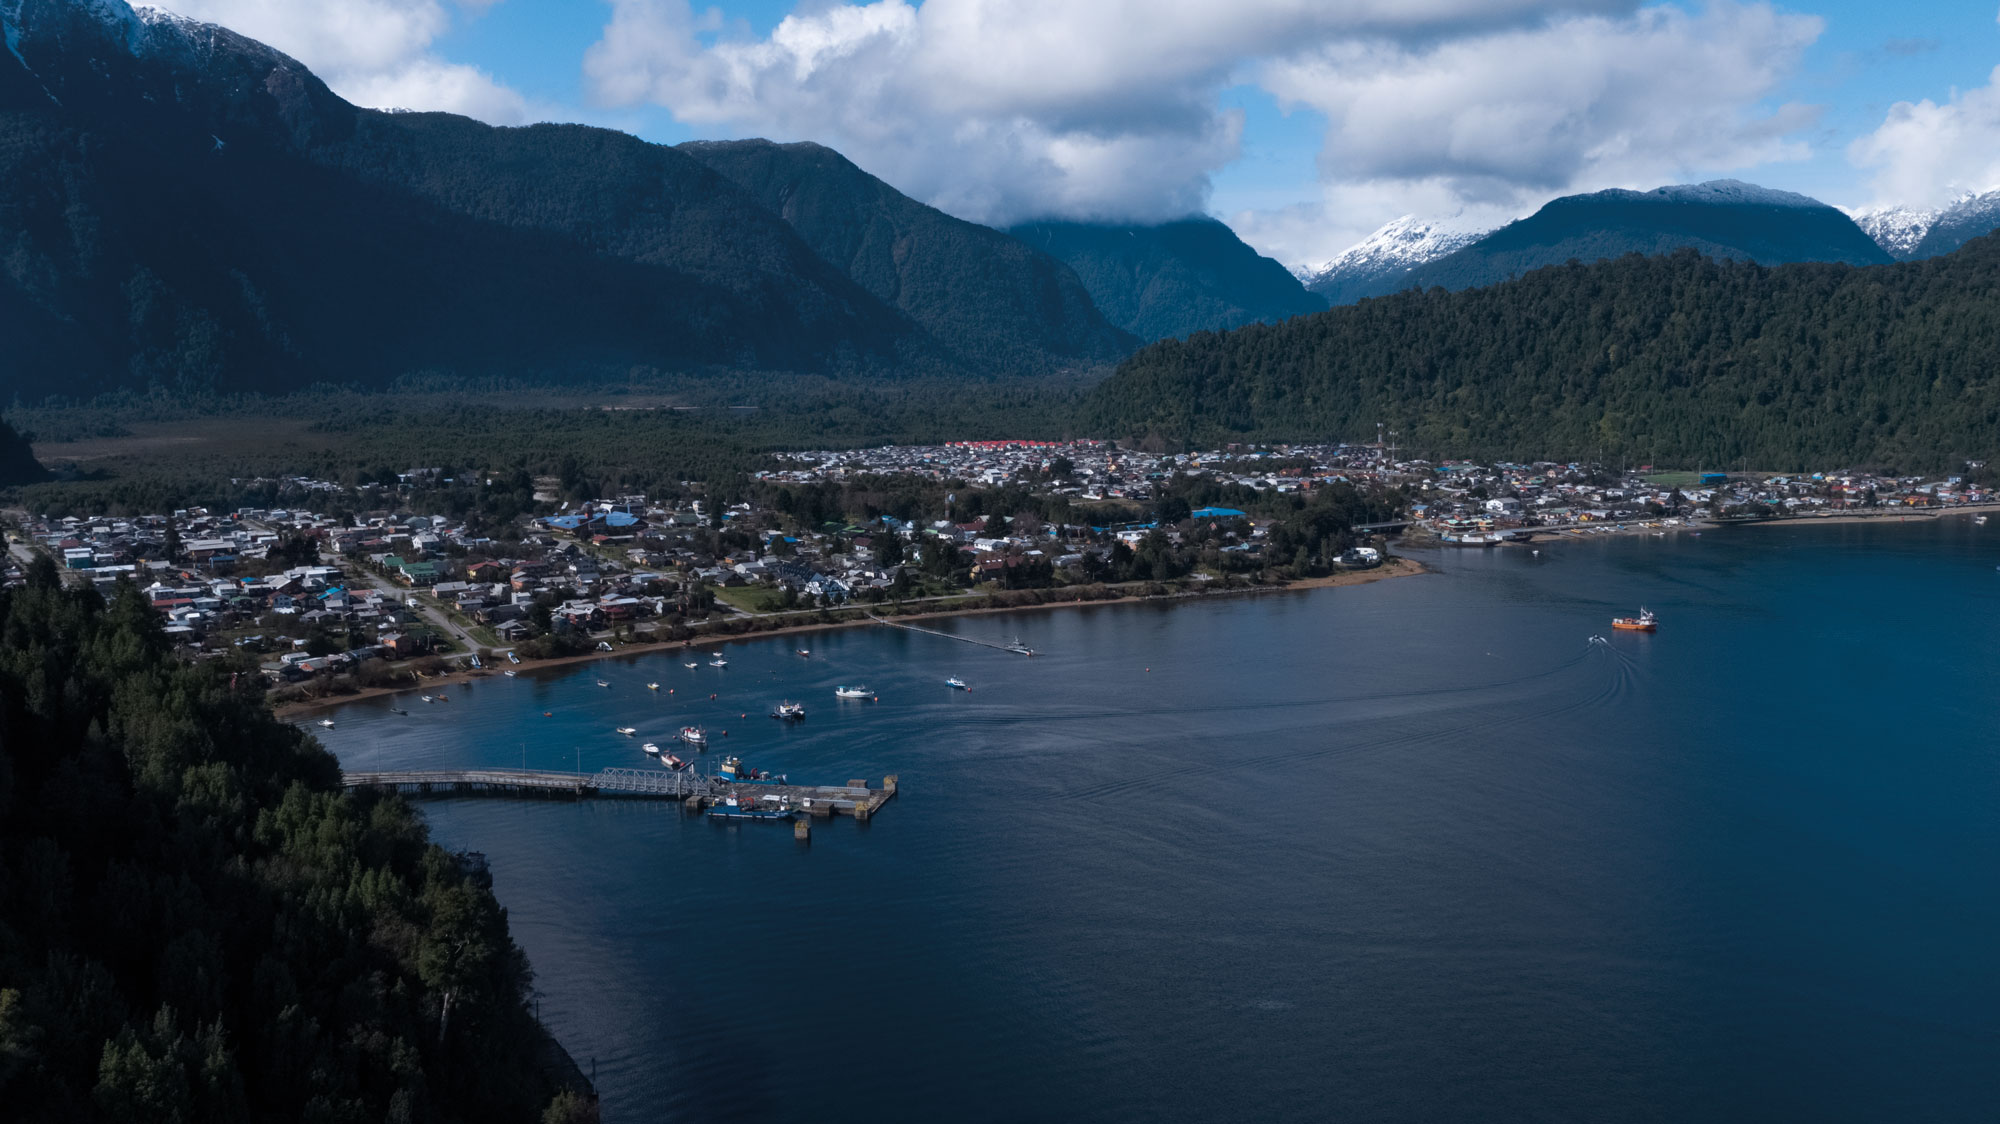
1644	622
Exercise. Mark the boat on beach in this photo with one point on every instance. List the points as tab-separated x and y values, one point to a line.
853	693
1644	622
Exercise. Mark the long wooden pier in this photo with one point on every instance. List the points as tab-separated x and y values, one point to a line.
855	798
1016	647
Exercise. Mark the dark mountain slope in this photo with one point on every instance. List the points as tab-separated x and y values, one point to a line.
1173	279
189	208
983	295
17	461
1679	360
1724	219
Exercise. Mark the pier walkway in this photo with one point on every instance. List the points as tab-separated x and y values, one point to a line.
855	798
1016	646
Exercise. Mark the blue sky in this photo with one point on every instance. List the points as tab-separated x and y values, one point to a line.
1303	132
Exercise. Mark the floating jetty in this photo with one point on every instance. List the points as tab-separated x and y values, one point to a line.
855	798
1016	647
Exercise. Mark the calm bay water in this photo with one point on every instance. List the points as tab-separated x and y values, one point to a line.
1410	851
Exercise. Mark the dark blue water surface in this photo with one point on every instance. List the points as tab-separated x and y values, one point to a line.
1410	851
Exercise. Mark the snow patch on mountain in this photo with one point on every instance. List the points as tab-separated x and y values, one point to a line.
1896	229
1725	192
1399	246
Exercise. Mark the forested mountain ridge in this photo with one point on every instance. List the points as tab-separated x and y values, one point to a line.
1723	219
1166	281
186	208
197	925
1679	359
981	294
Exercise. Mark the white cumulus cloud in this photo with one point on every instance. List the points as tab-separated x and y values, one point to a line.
1925	154
371	52
1000	110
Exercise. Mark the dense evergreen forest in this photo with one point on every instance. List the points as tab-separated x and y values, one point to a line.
196	924
1674	360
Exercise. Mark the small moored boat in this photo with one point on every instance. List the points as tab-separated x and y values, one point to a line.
733	769
326	722
957	684
427	698
853	692
603	683
649	747
789	711
1644	622
511	674
628	731
652	686
733	808
672	762
690	663
694	736
718	662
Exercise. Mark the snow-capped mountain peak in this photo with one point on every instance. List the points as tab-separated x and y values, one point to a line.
1401	244
1896	229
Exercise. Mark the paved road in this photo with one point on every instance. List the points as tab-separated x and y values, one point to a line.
436	617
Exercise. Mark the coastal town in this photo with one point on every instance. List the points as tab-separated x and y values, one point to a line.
374	596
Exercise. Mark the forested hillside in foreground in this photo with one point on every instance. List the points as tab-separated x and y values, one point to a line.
197	925
1676	359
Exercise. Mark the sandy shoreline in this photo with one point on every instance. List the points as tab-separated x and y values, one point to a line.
1393	568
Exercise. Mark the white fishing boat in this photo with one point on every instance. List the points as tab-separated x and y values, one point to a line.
652	686
853	692
805	653
649	747
326	722
789	711
694	736
957	684
718	662
628	731
690	663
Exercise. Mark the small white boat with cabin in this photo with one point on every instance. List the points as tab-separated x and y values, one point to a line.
957	684
649	747
628	731
718	662
326	722
853	693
